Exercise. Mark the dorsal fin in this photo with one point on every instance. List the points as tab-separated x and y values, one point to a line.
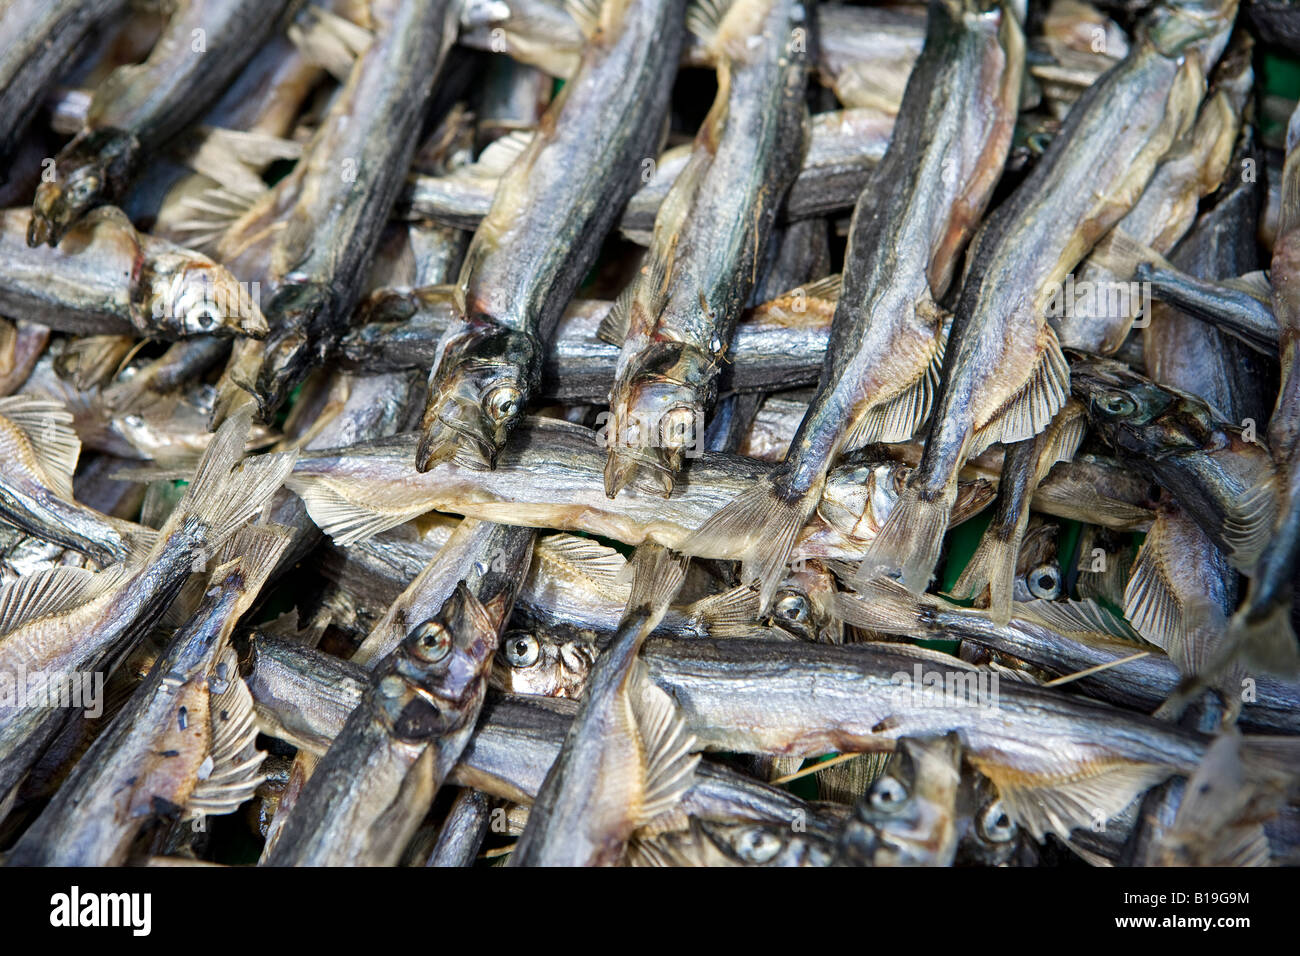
600	565
47	425
50	592
667	746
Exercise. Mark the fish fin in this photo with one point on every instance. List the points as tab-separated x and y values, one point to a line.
586	14
614	326
226	492
499	155
992	568
761	524
1121	254
48	427
657	576
52	591
1248	527
667	746
1151	603
828	288
1063	438
911	539
235	158
600	564
900	417
330	41
704	18
1254	284
1033	407
1090	797
202	220
1083	502
1267	644
1272	761
343	519
733	611
1078	617
884	605
648	852
236	761
258	547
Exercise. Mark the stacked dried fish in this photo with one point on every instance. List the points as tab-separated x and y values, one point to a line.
434	458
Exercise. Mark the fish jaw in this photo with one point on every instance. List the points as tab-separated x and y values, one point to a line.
92	170
477	393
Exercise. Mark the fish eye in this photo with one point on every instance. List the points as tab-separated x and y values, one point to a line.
522	650
756	845
1117	403
1045	582
995	825
888	795
792	607
431	641
84	188
501	404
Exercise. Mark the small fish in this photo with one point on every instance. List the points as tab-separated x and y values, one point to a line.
139	108
888	333
108	278
1004	376
184	744
708	843
370	791
553	208
627	757
675	320
1222	480
463	831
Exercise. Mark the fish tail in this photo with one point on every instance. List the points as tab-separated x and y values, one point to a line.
991	570
883	605
657	576
226	493
762	525
911	539
1265	642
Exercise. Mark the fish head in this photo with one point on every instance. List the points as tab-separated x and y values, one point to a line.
659	415
544	663
431	684
756	844
802	605
185	294
94	169
908	816
1136	415
477	394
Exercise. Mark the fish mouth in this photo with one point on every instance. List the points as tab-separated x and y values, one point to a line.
458	431
92	170
627	466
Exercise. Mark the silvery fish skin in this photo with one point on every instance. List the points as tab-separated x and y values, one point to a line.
340	192
463	831
1159	219
778	344
193	707
1004	376
138	108
369	792
1223	480
865	54
887	336
108	278
551	475
753	696
908	816
37	454
541	33
36	39
552	210
1243	312
676	320
844	146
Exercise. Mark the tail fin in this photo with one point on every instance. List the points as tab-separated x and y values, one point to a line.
657	576
910	540
883	605
993	569
761	525
225	494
